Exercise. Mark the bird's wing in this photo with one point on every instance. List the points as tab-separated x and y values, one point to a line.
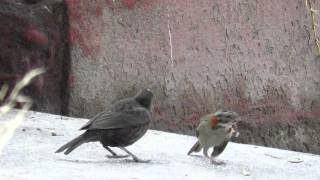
219	149
113	120
91	120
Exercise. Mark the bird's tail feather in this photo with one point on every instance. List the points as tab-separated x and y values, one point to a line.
195	148
73	144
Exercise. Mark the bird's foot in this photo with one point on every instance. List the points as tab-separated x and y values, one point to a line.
116	156
140	160
216	162
135	158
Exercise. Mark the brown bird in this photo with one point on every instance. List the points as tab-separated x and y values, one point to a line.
121	125
215	130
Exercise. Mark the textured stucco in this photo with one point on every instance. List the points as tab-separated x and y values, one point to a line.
255	57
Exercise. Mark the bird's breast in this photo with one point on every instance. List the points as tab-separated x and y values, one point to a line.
214	137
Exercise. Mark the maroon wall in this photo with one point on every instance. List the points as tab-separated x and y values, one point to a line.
255	57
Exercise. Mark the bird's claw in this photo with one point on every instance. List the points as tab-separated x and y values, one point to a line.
215	162
116	156
141	160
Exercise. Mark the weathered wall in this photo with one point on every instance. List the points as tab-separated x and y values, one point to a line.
255	57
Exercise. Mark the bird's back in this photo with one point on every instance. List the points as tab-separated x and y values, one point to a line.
125	113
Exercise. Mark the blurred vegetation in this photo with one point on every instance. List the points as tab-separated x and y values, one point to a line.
9	100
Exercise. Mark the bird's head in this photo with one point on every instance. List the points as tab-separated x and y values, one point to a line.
144	97
223	118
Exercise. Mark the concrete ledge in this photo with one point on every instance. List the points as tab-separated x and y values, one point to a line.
30	155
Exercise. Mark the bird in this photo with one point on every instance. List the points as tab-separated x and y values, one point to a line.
215	130
120	125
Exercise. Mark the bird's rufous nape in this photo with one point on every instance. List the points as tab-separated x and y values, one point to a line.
214	121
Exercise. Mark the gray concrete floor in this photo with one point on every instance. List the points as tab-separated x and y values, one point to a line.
30	155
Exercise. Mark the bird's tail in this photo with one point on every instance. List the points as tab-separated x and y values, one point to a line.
195	148
73	144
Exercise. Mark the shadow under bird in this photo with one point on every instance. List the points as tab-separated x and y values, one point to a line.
215	130
121	125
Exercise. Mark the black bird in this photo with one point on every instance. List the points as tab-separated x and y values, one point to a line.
121	125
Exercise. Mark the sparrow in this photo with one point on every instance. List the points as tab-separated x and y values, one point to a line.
215	130
125	122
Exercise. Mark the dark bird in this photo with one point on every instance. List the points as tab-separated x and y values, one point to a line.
215	130
121	125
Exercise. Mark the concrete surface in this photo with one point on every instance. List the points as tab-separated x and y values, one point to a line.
30	155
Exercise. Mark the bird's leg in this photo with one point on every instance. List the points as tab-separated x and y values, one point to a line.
205	152
212	160
135	158
216	152
114	155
